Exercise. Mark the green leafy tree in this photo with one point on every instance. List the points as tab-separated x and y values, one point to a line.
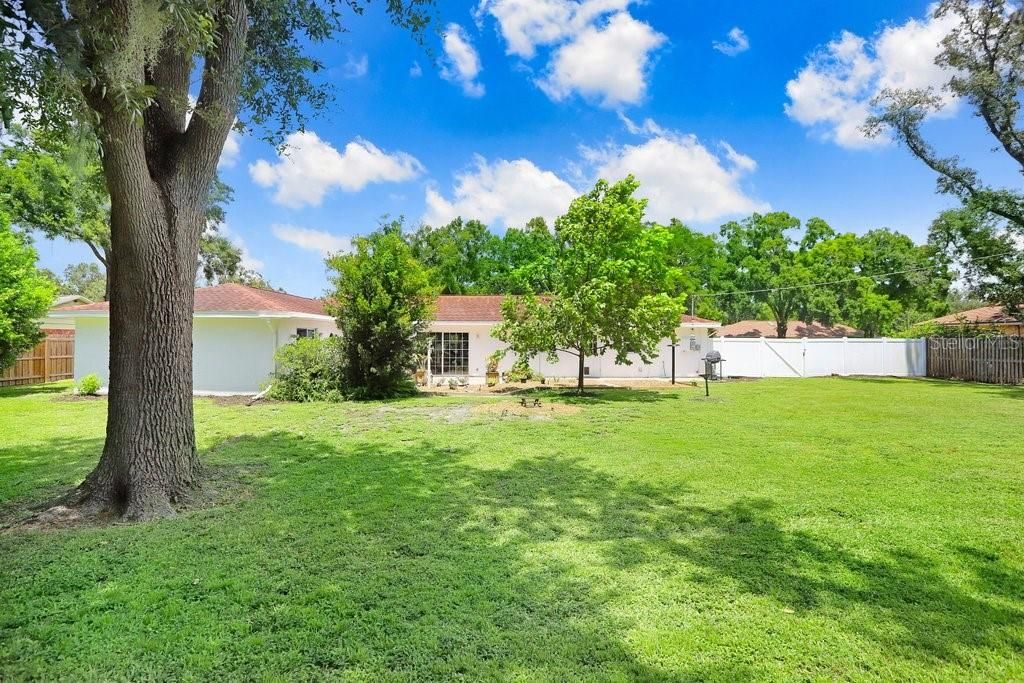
458	255
983	56
25	294
55	185
85	279
383	300
917	276
610	286
762	263
701	261
523	260
991	258
126	69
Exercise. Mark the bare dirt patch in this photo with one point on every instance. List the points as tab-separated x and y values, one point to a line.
241	400
73	398
545	411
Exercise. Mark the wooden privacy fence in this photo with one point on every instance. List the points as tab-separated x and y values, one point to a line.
48	361
996	360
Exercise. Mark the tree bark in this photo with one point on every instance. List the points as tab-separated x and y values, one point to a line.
781	327
579	381
149	459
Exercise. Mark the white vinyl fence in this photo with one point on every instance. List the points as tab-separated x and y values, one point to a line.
759	357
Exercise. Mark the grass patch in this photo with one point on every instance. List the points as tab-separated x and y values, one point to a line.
833	528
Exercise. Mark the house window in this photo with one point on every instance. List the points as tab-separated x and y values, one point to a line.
307	333
449	353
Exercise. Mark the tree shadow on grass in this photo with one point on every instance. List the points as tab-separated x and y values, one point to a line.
31	474
1000	390
34	389
599	395
407	562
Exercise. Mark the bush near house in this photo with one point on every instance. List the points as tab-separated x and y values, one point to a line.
89	385
308	369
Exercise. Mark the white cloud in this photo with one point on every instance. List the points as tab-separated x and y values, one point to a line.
735	43
598	49
608	63
415	71
528	24
680	177
462	63
355	67
310	167
832	94
507	192
312	240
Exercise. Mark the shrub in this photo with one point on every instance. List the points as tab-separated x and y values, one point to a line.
383	302
308	369
89	385
521	371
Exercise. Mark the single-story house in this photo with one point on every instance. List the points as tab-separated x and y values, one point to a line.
797	330
462	333
993	318
237	330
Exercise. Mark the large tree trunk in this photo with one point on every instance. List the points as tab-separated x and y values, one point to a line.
158	168
149	459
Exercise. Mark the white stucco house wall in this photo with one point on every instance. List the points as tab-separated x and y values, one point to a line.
237	330
462	328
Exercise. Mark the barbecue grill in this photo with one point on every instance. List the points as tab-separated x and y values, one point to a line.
713	365
712	369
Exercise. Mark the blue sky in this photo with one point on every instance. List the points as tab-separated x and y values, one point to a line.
719	109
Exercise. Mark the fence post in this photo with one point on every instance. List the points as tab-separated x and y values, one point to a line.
883	356
845	371
803	357
46	359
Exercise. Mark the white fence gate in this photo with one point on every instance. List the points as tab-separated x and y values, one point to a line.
759	357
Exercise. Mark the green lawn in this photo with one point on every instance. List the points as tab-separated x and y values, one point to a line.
814	529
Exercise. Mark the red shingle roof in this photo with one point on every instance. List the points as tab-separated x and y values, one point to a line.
796	330
239	298
235	298
986	315
487	308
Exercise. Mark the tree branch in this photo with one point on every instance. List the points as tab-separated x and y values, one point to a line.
165	120
96	252
218	97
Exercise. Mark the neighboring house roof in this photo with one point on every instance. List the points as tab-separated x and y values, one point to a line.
229	298
796	330
986	315
487	308
70	299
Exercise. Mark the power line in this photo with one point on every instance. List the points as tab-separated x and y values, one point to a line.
839	282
